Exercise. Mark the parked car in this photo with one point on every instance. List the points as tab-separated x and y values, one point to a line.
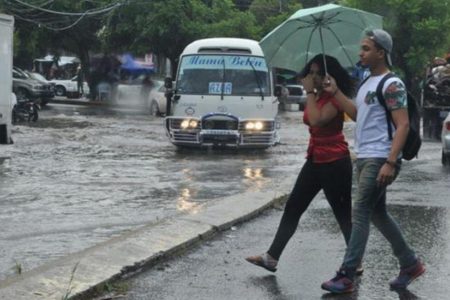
445	138
69	87
50	86
297	95
130	89
157	99
25	86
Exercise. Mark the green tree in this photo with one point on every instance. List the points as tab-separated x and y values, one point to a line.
418	28
58	29
165	27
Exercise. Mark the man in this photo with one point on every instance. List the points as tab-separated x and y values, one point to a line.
377	165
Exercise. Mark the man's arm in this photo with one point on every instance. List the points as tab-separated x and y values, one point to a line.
396	101
346	104
401	121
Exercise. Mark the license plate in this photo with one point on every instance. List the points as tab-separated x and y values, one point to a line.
218	132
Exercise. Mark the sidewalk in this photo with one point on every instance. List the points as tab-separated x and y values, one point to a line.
76	101
135	250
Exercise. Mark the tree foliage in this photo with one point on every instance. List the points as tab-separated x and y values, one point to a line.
43	27
418	28
165	27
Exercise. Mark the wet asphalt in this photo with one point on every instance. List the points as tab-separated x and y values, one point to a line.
81	176
217	269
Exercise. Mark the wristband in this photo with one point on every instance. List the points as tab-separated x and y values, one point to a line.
310	92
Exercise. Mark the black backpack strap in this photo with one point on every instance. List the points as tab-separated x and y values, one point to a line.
383	102
363	81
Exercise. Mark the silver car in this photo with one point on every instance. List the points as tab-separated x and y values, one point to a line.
445	138
296	95
157	99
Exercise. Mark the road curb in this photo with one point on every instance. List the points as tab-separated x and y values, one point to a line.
79	102
85	272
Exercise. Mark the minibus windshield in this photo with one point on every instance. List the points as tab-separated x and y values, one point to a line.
236	75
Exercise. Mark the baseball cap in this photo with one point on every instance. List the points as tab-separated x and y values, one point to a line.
384	40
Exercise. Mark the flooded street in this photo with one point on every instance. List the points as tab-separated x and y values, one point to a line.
217	269
81	175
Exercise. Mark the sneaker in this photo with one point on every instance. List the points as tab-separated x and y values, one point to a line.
407	275
264	260
340	284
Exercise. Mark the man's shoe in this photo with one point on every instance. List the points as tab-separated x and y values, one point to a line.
340	284
264	260
407	275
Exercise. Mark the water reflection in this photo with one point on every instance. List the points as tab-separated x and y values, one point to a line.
270	283
253	173
185	204
254	178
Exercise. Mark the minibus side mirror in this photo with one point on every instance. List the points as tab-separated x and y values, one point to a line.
277	91
168	82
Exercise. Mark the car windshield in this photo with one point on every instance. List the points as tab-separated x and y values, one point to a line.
17	73
37	76
223	74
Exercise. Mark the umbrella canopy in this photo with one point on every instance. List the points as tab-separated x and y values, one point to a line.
331	29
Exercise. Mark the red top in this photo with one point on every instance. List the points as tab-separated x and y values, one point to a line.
327	143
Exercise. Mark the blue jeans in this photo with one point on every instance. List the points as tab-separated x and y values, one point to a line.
370	205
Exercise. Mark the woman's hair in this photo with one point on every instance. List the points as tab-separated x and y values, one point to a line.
343	79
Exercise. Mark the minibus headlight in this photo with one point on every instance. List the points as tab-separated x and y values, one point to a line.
189	124
250	126
254	125
193	124
259	125
184	124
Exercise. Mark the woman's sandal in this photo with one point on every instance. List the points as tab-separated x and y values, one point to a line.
263	260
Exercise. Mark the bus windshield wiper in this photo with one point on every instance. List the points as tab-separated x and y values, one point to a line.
257	79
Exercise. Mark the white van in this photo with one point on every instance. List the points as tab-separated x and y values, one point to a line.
223	96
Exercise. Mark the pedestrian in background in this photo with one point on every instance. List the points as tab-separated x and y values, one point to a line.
328	165
378	163
360	72
80	81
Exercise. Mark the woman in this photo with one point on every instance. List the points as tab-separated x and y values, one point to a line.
328	166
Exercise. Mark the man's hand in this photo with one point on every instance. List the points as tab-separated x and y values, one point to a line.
386	175
329	84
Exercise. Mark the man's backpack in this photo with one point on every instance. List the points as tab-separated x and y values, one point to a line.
413	141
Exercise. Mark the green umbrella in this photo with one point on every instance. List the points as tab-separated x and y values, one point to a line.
331	29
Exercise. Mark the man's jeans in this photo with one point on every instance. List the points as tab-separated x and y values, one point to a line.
370	205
